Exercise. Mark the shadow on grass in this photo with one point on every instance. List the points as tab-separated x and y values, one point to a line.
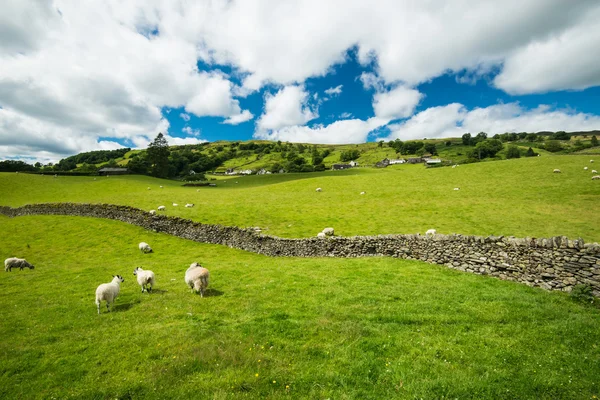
157	291
212	293
124	307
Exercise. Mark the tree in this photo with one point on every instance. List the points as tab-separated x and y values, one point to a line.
530	153
553	146
594	141
430	148
158	156
380	144
488	148
448	143
513	152
138	165
466	139
349	155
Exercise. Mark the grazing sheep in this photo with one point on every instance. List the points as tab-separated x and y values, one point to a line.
145	247
362	192
153	212
328	231
161	186
196	277
189	205
321	235
145	278
585	168
161	208
430	232
15	262
594	171
454	166
108	292
556	171
591	161
596	177
175	204
319	190
456	188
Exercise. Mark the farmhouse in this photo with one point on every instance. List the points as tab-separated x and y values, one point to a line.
113	171
433	161
341	166
415	160
383	163
398	161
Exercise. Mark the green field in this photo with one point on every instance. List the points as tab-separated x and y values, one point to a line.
369	328
519	197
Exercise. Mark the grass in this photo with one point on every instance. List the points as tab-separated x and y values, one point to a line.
368	328
519	197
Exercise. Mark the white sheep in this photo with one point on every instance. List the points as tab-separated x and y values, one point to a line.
456	188
362	192
196	277
145	278
161	208
585	168
556	171
319	190
328	231
591	161
175	204
161	186
189	205
108	292
430	232
594	171
15	262
596	177
153	212
145	247
321	235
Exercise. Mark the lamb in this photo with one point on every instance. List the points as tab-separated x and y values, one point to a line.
321	235
108	292
161	208
153	212
556	171
196	277
328	231
15	262
319	190
145	278
596	177
145	247
189	205
430	232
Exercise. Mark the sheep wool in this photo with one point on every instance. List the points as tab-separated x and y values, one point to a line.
196	277
145	278
15	262
108	292
145	247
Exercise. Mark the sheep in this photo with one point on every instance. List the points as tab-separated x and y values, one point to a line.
319	190
321	235
15	262
591	161
161	186
328	231
362	192
556	171
175	204
196	277
585	168
456	188
594	171
189	205
161	208
108	292
153	212
145	278
430	232
596	177
145	247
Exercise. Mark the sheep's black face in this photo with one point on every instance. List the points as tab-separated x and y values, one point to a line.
120	278
135	271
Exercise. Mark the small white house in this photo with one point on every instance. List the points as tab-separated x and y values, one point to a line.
353	163
399	161
433	161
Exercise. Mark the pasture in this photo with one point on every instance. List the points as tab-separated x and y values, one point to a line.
275	327
289	327
519	197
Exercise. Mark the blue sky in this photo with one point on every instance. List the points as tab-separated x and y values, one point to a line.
80	77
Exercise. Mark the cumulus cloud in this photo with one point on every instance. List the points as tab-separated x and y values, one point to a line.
239	118
334	91
399	102
190	132
454	119
288	107
185	117
344	131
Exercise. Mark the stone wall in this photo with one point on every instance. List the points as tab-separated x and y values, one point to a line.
556	263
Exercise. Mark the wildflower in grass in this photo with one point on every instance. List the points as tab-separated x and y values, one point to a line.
256	375
274	381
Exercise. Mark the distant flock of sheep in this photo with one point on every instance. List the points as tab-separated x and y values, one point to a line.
594	177
196	277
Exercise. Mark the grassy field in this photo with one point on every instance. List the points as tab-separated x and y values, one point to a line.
371	328
519	197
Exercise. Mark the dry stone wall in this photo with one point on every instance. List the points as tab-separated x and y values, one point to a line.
556	263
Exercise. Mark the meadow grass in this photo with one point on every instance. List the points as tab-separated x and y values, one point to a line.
519	197
369	328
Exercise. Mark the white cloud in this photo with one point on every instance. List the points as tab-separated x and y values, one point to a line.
345	115
185	117
345	131
190	132
399	102
453	120
177	141
240	118
288	107
334	91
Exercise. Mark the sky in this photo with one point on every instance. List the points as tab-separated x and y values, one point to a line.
84	75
